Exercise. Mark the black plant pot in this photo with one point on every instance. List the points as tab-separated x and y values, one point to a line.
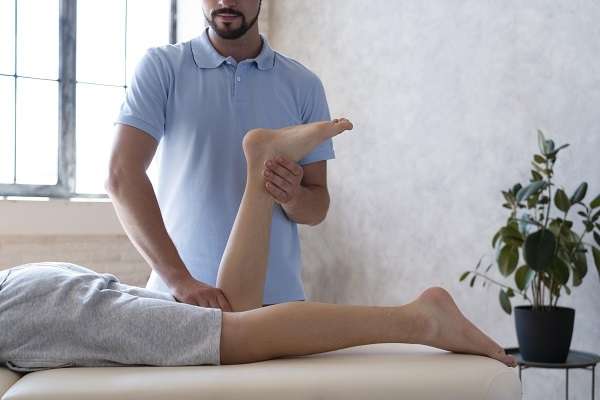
544	334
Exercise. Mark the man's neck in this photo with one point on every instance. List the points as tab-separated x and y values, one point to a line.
247	46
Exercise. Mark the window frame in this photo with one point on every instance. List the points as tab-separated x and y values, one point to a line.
67	83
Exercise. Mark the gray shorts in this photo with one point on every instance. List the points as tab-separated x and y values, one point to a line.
56	314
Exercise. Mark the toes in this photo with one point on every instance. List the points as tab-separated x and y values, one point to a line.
344	123
512	361
508	359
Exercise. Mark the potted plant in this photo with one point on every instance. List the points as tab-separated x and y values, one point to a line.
552	252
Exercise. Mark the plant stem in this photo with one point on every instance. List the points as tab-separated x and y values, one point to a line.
549	194
524	294
550	290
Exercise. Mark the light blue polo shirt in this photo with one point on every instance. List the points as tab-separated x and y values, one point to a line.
198	105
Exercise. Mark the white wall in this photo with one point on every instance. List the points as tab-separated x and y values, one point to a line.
446	97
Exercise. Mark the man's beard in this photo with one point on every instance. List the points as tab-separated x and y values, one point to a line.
228	33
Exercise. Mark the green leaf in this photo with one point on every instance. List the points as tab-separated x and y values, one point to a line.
536	175
596	216
588	226
541	141
579	193
548	146
561	200
528	190
472	280
523	277
495	238
463	276
538	249
567	290
505	302
508	259
510	293
538	168
580	266
555	151
596	202
560	270
597	238
516	188
511	235
539	159
596	253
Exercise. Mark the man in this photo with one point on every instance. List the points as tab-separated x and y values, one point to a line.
198	99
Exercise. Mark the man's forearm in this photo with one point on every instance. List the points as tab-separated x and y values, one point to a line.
309	207
136	206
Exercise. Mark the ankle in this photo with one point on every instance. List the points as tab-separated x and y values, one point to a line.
424	327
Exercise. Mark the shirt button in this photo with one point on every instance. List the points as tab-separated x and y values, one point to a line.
239	79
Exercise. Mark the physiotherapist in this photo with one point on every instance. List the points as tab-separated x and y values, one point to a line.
191	103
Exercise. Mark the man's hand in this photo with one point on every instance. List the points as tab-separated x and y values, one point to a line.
282	179
200	294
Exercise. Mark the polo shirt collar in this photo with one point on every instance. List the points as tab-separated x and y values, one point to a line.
206	56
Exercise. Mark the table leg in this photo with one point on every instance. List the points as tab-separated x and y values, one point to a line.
593	380
567	385
520	372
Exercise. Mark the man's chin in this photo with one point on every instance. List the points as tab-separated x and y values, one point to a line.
229	34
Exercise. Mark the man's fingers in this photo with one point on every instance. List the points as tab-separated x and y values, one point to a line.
279	171
224	303
277	180
214	303
199	303
276	192
293	167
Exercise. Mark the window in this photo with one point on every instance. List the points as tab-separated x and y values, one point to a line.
64	69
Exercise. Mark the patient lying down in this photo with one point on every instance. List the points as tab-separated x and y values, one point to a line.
58	314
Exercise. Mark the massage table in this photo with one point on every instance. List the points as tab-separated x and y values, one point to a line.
376	371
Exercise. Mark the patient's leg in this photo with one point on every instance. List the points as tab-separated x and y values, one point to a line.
243	267
301	328
298	328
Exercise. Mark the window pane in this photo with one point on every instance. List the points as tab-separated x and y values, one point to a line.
37	38
97	108
7	129
147	26
101	41
37	131
7	37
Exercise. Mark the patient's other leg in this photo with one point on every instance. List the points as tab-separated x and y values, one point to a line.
243	267
299	328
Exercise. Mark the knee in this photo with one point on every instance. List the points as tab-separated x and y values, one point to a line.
232	338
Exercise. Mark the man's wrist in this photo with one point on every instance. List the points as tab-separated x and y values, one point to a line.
308	207
174	276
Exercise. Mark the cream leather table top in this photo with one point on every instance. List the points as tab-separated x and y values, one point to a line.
378	371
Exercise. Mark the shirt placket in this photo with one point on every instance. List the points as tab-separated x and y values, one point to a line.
239	86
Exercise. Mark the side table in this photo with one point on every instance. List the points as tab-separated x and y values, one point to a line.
575	359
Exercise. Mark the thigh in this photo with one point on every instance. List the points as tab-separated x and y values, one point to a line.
56	317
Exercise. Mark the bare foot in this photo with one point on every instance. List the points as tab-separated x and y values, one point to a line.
447	328
293	142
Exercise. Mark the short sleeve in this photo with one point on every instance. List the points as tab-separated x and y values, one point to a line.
316	109
145	101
